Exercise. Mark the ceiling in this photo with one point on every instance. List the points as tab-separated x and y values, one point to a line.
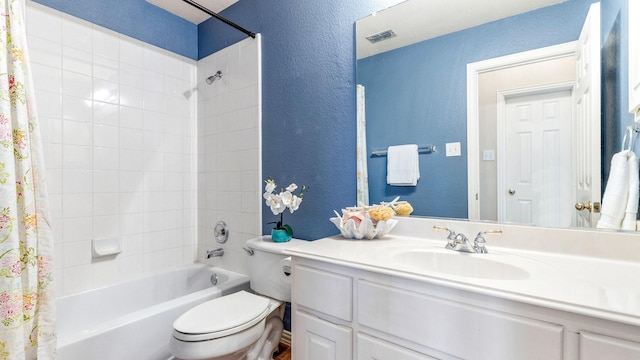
440	17
190	13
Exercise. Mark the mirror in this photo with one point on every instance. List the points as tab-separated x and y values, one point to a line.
415	83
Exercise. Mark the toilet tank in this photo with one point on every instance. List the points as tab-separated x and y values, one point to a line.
268	267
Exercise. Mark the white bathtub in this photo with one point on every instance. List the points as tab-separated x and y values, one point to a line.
133	320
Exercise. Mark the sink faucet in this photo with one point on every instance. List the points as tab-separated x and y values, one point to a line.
459	242
463	244
215	253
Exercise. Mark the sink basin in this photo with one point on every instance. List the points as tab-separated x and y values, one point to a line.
483	266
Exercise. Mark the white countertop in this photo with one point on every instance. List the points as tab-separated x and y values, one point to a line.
600	287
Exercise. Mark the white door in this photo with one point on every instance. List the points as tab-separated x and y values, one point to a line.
587	97
536	160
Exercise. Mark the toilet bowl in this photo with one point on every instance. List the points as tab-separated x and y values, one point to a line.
241	325
224	328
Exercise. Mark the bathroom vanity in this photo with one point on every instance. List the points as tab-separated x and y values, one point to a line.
406	297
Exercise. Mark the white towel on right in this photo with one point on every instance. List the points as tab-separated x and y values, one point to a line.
621	193
631	212
403	167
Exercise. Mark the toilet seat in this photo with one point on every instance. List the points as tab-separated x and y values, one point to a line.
223	316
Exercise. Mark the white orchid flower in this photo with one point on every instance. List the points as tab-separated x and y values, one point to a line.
270	186
278	203
295	203
286	198
291	188
274	202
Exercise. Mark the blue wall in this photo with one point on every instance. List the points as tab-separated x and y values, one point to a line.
417	94
137	19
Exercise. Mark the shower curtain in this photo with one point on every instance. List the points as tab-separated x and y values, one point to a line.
27	314
361	151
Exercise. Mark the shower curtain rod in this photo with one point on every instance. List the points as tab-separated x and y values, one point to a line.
230	23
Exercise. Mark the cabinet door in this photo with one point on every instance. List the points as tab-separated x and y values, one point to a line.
597	347
370	348
316	339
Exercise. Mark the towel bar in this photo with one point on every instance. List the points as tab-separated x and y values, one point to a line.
422	149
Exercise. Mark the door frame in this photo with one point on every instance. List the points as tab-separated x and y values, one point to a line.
501	137
474	70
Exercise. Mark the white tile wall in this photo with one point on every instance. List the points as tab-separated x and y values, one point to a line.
229	163
120	145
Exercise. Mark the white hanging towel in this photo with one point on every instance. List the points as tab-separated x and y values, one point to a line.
403	167
620	199
629	220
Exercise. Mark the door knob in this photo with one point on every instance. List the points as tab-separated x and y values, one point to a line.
580	206
511	191
591	207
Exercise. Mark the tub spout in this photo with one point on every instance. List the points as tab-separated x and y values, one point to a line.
215	253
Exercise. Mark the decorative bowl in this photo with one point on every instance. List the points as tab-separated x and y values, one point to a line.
366	230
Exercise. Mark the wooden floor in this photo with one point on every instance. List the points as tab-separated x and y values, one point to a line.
284	353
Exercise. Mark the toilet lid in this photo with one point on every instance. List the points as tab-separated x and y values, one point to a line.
223	316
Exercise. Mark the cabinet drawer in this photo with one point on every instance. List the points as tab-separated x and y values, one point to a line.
457	329
370	348
323	291
596	347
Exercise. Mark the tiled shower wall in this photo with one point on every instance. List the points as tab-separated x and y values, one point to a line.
119	128
229	184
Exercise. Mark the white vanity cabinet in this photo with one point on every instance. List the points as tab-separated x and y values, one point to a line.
341	312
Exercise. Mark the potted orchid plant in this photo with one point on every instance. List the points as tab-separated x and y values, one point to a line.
278	203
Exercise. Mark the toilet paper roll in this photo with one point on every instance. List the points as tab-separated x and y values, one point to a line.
285	269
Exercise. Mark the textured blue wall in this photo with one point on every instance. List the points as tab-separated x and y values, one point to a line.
137	19
417	94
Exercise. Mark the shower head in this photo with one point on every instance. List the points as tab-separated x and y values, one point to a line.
214	77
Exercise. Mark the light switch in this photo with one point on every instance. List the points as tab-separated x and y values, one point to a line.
453	149
488	155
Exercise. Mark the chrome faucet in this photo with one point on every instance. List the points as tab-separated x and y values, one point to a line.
215	253
463	244
459	242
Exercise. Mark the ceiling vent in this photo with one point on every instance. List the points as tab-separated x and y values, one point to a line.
381	36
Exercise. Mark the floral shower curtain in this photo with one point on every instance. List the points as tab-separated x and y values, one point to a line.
27	313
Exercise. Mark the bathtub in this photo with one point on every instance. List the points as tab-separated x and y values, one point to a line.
134	319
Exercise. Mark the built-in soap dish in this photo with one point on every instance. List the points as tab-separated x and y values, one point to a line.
106	246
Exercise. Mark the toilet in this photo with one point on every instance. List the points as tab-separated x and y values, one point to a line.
243	324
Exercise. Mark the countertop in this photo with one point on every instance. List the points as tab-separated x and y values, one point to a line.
600	287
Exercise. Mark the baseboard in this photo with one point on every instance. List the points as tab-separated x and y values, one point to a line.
286	338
